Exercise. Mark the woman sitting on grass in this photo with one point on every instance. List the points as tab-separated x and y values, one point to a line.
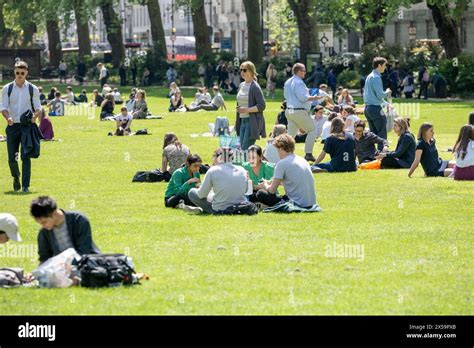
345	99
183	180
404	153
270	152
46	127
107	106
174	153
427	154
341	146
176	102
257	168
464	153
140	108
97	99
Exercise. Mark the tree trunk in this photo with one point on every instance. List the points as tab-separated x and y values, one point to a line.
254	28
308	35
4	32
447	29
203	44
28	32
114	32
83	34
54	43
157	32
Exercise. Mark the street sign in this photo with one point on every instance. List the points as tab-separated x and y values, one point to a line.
226	43
325	35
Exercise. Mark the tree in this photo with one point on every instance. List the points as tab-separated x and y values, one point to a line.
113	27
282	27
254	28
447	20
5	33
203	42
157	32
54	42
308	35
82	24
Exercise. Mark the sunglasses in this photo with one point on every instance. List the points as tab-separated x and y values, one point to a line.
22	73
243	70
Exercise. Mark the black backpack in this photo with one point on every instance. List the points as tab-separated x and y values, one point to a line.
153	176
244	208
105	270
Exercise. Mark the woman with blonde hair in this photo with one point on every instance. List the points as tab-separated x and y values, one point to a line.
345	98
140	108
250	123
271	75
404	154
107	106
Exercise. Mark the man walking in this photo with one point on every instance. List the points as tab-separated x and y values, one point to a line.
298	114
18	97
373	99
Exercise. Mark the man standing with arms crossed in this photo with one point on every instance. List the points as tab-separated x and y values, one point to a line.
298	103
373	99
18	97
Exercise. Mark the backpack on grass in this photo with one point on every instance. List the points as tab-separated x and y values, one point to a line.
106	270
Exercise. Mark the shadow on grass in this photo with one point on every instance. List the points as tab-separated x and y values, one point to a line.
18	193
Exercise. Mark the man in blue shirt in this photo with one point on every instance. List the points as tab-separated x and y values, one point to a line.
373	99
298	103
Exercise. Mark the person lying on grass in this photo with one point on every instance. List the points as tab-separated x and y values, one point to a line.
257	169
226	180
464	154
340	145
8	228
293	172
60	230
404	153
183	180
213	105
427	153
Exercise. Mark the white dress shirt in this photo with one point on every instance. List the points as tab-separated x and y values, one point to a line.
19	101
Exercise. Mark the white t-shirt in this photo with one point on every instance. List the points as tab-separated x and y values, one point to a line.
271	153
123	119
243	97
354	119
103	72
319	124
70	97
117	97
298	180
326	130
468	159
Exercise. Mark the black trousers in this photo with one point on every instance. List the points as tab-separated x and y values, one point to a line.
13	146
269	199
171	202
390	162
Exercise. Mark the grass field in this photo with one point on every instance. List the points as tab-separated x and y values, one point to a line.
416	234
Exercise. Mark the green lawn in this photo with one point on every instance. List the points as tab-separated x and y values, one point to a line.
416	233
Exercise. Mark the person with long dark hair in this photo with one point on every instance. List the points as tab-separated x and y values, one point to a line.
183	180
464	153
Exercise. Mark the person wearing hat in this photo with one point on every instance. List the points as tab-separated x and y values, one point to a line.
8	228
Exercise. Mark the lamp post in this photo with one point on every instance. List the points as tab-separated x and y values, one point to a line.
173	31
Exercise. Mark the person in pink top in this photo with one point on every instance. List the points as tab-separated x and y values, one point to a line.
46	127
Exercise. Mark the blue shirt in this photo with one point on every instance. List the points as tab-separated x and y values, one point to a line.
342	152
373	89
296	94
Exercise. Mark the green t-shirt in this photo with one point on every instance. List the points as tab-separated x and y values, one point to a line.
178	185
265	172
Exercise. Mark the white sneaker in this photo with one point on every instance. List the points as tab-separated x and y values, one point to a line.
192	210
180	204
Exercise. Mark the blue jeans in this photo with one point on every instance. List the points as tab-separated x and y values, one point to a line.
377	121
245	141
327	166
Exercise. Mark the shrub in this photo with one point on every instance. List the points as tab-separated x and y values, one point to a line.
459	73
349	79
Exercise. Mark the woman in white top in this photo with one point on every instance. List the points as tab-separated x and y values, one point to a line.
349	117
345	98
327	126
270	152
464	153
